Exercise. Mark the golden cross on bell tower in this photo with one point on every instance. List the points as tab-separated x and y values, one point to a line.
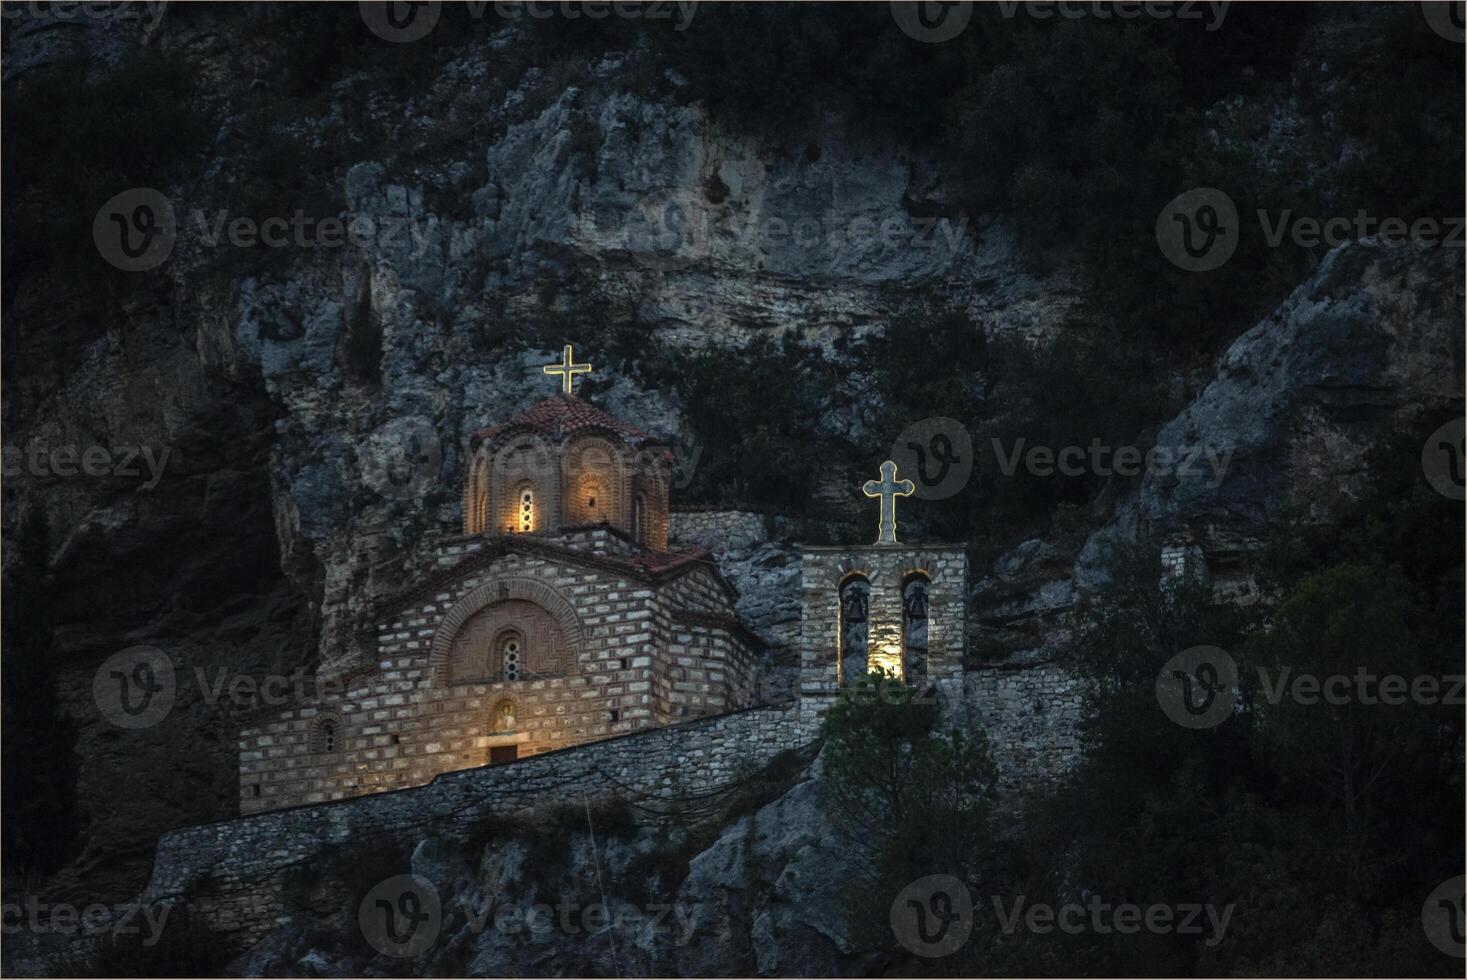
567	370
888	490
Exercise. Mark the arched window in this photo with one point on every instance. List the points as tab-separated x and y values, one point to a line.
476	499
325	735
510	654
525	510
502	720
639	518
916	594
853	635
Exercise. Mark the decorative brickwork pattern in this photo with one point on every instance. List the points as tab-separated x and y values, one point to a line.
565	463
624	652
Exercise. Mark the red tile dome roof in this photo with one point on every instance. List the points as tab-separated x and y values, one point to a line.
566	414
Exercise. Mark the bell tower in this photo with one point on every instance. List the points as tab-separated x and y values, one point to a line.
891	607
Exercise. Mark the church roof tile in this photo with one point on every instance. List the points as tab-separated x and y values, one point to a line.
566	414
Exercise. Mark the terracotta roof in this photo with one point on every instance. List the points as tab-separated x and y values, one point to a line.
657	562
566	414
652	566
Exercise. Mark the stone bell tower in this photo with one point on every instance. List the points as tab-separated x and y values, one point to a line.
901	609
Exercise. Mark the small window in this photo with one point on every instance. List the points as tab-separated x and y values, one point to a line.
615	714
526	522
853	634
591	502
512	660
254	790
639	518
326	736
511	655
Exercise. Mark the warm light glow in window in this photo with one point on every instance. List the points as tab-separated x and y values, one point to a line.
527	511
887	658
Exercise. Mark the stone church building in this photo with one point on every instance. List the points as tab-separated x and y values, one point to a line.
559	617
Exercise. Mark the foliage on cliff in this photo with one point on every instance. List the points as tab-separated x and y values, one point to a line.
1323	825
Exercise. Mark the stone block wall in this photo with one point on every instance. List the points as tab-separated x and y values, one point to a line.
1031	715
886	568
235	874
400	722
718	530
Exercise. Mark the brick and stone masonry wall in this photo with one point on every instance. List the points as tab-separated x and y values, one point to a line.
234	874
718	530
1031	715
401	724
727	530
885	567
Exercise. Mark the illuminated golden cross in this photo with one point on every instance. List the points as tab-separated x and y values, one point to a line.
889	489
567	370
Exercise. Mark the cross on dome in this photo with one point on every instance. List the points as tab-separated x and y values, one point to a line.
567	369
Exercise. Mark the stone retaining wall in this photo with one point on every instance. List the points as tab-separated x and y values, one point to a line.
235	873
717	530
1032	716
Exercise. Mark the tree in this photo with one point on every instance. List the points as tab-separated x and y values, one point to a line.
913	798
1338	666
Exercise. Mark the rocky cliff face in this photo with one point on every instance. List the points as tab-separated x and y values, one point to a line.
316	405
